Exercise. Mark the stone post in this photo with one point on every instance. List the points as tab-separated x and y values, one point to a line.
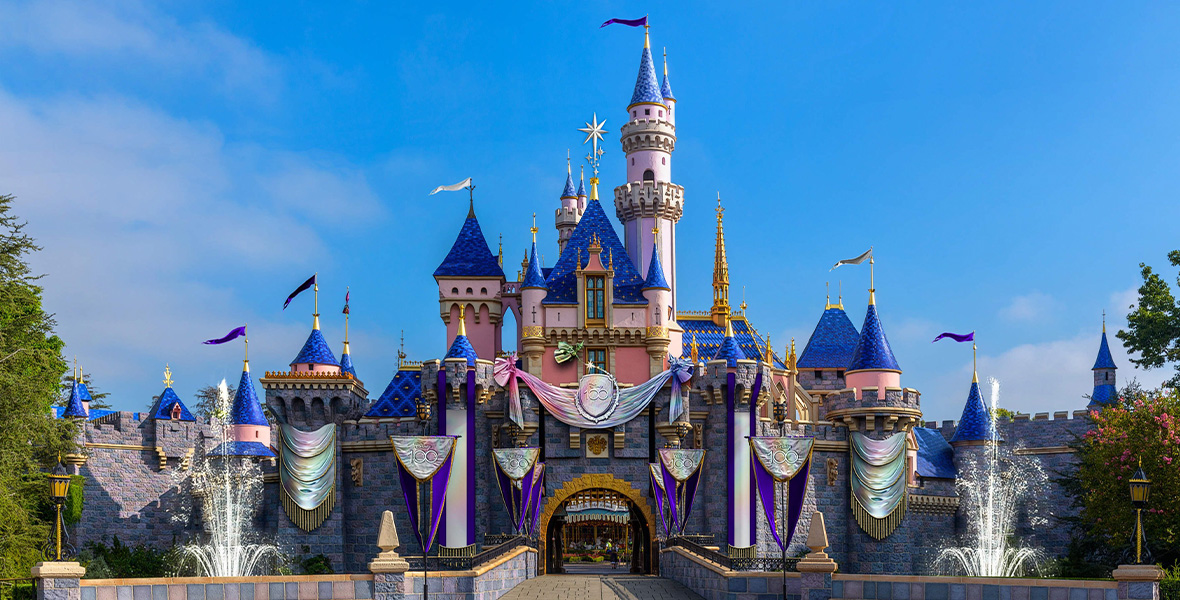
817	567
389	579
1137	582
58	580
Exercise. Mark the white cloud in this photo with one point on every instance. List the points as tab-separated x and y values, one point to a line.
1029	307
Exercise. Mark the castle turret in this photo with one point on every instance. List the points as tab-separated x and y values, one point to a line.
975	425
662	331
251	430
532	292
720	310
471	277
873	365
666	92
169	406
572	205
461	346
76	406
1105	392
828	350
649	199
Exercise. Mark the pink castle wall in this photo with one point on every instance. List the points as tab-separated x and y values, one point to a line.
252	433
879	379
658	161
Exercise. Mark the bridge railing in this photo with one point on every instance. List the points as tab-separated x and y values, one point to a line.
733	563
495	546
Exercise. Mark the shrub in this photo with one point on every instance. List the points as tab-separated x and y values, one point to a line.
72	511
119	561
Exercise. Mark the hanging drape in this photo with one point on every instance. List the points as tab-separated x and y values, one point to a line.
878	482
681	473
657	484
535	497
307	474
597	403
515	476
785	460
424	459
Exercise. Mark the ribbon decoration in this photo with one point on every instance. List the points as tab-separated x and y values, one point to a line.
782	460
566	351
681	369
562	403
307	474
424	459
515	476
657	484
681	470
503	371
878	482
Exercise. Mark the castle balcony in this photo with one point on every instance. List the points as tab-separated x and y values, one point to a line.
649	199
648	134
865	410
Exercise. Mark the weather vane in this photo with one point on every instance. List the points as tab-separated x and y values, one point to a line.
594	130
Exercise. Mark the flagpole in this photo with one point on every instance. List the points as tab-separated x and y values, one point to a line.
246	360
316	314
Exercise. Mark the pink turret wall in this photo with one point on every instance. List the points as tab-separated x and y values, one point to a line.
671	110
252	433
658	161
484	335
639	240
314	368
531	312
878	379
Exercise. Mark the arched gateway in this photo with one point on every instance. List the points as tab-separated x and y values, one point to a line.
643	523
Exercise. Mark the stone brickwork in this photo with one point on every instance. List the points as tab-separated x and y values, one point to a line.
291	587
859	587
714	582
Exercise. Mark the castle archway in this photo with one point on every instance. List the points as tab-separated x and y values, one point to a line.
641	533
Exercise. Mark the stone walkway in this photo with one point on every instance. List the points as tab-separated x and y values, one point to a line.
600	587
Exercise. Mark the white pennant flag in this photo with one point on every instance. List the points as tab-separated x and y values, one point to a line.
454	187
855	261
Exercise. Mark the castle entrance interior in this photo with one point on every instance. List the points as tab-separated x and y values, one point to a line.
598	531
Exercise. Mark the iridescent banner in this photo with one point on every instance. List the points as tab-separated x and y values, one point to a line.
516	476
785	460
680	470
878	482
307	474
424	459
657	484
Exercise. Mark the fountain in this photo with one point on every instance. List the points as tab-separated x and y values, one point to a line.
992	488
228	488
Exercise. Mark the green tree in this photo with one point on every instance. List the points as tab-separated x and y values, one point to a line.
1153	327
31	366
207	401
1147	429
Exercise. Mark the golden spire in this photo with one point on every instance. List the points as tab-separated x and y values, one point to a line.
462	322
246	345
167	375
610	260
501	252
974	367
769	352
728	327
720	310
346	315
534	228
75	369
872	283
315	324
793	357
401	351
578	264
693	350
1104	320
646	36
665	61
742	306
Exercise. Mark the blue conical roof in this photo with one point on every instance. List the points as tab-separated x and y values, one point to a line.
666	89
316	351
832	343
462	348
872	348
1103	395
164	405
976	422
246	409
84	392
346	363
1104	360
74	407
582	187
562	280
646	87
470	255
730	351
533	277
568	190
655	273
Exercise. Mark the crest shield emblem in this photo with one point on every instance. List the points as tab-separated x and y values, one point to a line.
597	397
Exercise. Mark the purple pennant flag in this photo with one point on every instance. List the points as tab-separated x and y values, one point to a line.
642	22
303	286
233	335
958	337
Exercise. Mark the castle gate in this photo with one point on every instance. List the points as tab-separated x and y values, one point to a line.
640	533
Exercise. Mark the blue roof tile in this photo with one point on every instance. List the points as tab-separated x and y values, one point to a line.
316	351
568	190
646	88
582	187
533	278
346	364
872	347
1103	395
400	398
563	283
976	422
84	392
1104	360
936	458
709	336
470	255
729	351
163	408
95	413
666	89
655	273
462	348
74	407
832	343
246	410
242	449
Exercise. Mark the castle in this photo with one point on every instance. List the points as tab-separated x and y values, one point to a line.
617	298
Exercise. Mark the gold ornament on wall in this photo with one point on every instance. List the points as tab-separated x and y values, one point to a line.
833	471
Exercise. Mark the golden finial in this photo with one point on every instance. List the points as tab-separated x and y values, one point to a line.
578	265
534	229
720	310
462	322
794	357
246	347
872	283
841	296
316	316
974	365
694	355
769	351
728	327
646	37
501	252
742	306
1104	320
401	352
167	375
610	257
665	61
75	369
347	290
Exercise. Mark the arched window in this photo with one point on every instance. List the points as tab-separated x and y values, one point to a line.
483	291
663	160
455	291
649	175
595	298
469	292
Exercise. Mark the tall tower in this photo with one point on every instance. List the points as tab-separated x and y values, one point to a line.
470	280
572	204
720	310
1105	392
649	200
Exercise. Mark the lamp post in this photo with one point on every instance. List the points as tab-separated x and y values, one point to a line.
424	411
1140	493
780	417
59	487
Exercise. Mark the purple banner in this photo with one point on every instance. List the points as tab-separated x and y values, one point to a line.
641	22
232	335
655	470
303	286
796	490
535	496
438	496
958	337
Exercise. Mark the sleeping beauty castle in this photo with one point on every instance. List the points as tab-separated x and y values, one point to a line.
641	411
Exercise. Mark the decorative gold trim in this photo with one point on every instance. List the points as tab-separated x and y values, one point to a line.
604	481
534	331
657	332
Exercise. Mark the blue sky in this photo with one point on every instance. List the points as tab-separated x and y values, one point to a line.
186	165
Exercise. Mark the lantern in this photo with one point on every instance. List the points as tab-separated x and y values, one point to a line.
1140	489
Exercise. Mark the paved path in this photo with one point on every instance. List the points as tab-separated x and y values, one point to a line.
600	587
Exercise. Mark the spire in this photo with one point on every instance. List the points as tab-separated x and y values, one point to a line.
568	191
315	322
346	357
246	349
469	255
1104	375
873	352
582	182
729	350
974	364
461	347
315	351
647	89
533	276
655	271
976	423
1104	360
246	409
666	86
462	322
720	310
169	401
